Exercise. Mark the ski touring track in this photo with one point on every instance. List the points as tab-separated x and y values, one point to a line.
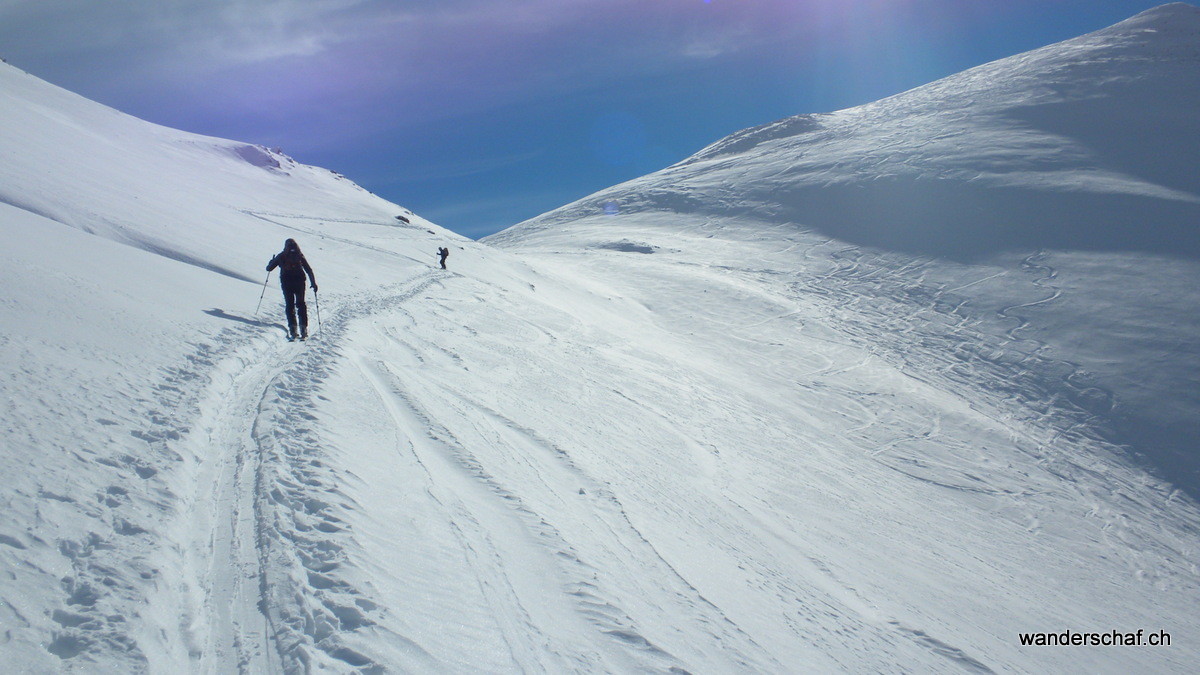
227	552
266	548
262	538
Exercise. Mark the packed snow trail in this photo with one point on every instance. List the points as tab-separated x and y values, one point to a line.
264	538
230	632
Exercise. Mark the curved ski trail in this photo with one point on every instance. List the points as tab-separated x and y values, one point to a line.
260	541
230	632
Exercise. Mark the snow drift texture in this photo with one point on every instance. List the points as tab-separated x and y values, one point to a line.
1081	145
875	390
1086	146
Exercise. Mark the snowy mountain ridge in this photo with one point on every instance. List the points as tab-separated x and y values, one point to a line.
1045	176
1004	155
48	127
721	427
1020	237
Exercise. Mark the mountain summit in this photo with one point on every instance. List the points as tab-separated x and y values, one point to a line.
1080	155
1088	144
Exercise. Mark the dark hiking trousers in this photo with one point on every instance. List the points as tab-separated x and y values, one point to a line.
293	298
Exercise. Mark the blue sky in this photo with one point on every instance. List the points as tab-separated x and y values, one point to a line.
478	114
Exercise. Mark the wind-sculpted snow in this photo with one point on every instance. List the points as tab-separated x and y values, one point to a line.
263	158
1084	146
1002	409
1088	144
1017	244
744	141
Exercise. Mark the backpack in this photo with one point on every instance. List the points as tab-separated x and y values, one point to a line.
291	260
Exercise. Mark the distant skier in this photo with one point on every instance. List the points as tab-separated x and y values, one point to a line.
292	266
443	252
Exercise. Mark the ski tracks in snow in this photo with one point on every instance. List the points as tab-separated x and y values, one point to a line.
230	632
546	569
374	509
261	536
277	582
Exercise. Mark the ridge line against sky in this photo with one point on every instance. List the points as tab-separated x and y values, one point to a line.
479	114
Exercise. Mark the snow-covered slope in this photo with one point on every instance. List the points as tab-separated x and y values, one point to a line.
987	290
712	433
1069	171
1087	144
133	260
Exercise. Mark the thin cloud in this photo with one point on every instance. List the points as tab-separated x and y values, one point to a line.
198	37
323	71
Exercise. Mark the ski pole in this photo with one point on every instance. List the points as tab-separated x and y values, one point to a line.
317	300
264	292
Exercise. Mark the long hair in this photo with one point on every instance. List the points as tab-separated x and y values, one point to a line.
291	245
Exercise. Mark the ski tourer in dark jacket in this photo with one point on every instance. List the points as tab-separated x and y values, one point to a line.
292	268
